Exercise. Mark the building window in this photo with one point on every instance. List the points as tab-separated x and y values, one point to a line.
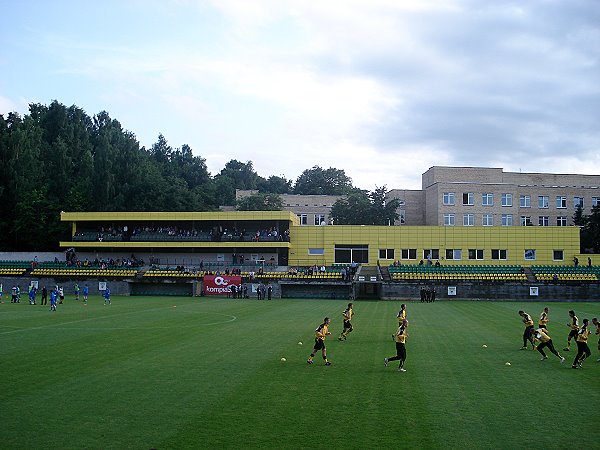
561	201
561	221
499	254
487	199
449	220
487	220
468	220
402	218
454	254
468	198
475	253
506	199
319	219
409	253
577	202
525	201
558	255
507	220
316	251
431	253
543	201
448	198
526	221
386	253
303	219
348	253
544	221
529	255
595	201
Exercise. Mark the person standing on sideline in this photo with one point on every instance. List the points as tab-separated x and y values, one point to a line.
1	299
583	350
321	333
401	335
76	289
347	317
61	295
541	334
86	291
269	291
543	322
527	334
107	296
44	296
574	326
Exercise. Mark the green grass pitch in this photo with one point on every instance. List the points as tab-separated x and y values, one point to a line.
174	373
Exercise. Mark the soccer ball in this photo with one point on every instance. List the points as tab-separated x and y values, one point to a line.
283	359
299	343
484	346
507	363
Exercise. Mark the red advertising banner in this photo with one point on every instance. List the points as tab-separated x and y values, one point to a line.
220	284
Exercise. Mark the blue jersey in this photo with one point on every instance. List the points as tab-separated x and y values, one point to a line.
85	290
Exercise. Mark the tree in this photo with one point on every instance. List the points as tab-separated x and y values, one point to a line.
275	185
317	181
235	175
260	202
590	232
579	218
363	208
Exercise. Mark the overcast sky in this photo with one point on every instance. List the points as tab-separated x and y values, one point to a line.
383	89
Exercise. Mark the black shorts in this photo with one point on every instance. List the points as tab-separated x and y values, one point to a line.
319	344
573	334
347	324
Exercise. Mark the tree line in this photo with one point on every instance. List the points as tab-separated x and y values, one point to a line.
58	158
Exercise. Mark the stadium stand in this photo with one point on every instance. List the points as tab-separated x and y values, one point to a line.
458	272
566	273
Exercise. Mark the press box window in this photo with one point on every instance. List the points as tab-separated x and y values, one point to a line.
529	255
498	254
475	253
431	253
558	255
386	253
409	253
454	254
316	251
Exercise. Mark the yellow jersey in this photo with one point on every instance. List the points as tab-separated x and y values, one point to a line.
322	331
583	335
543	319
527	320
347	314
401	315
541	335
574	325
401	334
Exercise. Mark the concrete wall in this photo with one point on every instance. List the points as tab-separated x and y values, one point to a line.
494	291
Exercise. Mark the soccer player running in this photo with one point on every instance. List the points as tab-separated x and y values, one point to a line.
541	334
527	334
574	326
583	351
543	322
595	322
400	336
321	333
347	317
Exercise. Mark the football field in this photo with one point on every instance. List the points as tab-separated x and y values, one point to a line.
176	373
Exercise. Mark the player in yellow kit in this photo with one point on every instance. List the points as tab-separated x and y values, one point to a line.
527	334
583	350
543	322
347	315
321	333
574	328
400	336
541	335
